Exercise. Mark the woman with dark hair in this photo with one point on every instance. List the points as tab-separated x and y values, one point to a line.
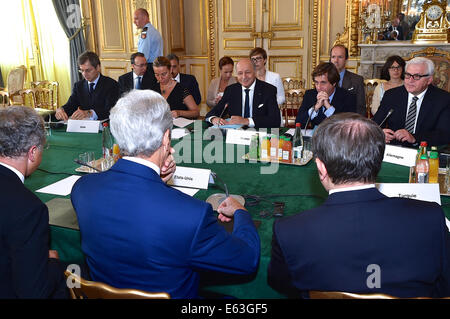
218	85
393	72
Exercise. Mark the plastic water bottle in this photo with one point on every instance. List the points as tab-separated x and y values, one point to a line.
422	169
297	145
107	142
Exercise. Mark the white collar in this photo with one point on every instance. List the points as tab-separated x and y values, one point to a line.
144	162
252	87
177	78
18	173
419	96
351	188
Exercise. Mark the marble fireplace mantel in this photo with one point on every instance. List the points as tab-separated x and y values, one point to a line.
373	56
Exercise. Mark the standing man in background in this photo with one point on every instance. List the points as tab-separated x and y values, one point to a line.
150	41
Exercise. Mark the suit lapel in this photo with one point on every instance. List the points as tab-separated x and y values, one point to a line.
346	82
426	105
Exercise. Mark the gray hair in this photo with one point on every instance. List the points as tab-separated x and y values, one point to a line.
422	60
351	147
138	122
21	128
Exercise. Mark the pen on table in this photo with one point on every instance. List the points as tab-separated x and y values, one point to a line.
223	111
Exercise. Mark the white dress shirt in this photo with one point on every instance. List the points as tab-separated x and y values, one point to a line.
352	188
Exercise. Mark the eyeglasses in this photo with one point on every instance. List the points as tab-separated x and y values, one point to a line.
415	76
256	58
396	68
86	70
140	65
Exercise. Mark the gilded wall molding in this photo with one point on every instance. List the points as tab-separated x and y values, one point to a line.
351	34
211	16
316	30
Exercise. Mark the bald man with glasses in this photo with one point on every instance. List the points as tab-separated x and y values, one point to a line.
421	111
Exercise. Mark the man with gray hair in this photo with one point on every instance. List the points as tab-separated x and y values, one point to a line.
421	111
28	269
359	240
136	231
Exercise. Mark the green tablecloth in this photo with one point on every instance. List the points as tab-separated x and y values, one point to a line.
243	178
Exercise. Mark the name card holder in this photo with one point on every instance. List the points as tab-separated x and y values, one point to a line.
400	155
83	126
190	177
420	191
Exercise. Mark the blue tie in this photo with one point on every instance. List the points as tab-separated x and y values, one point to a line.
247	104
91	88
138	84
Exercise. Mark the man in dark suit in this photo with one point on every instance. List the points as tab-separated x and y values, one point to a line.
92	97
250	102
137	232
421	111
350	81
326	99
28	269
359	240
141	78
187	80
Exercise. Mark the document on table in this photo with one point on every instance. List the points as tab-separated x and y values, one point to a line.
178	133
291	131
188	191
181	122
62	188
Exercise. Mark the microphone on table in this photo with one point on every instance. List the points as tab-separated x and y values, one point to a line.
87	165
387	115
307	122
216	199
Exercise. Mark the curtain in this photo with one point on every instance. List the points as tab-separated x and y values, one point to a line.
69	15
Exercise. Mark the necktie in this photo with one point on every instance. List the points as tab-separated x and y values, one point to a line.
247	104
411	117
138	83
91	88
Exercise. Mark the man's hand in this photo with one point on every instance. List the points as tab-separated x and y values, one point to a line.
61	115
53	254
388	135
239	120
169	167
404	136
174	114
322	100
80	114
227	209
218	121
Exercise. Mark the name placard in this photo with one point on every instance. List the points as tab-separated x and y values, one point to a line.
190	177
425	192
400	155
242	137
83	126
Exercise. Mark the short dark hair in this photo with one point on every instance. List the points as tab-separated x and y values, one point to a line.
350	146
224	61
256	51
390	60
173	56
21	128
134	55
161	61
90	56
329	69
340	46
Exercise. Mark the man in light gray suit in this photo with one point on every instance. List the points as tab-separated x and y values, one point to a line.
354	83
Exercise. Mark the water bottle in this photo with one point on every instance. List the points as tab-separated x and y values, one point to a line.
297	145
107	142
422	169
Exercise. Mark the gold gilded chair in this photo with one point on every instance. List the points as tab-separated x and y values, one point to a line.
441	60
290	107
40	99
51	85
97	290
369	86
292	83
15	83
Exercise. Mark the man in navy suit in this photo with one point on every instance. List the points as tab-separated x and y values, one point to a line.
136	231
359	240
326	98
92	97
28	269
187	80
421	111
141	78
250	102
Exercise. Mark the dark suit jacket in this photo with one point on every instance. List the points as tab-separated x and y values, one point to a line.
25	269
126	82
433	123
105	96
354	83
330	247
265	96
190	82
343	101
137	232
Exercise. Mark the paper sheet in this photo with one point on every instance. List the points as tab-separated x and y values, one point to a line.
62	188
178	133
182	122
292	132
188	191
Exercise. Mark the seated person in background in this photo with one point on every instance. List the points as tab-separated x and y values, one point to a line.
92	97
326	98
136	231
421	111
394	72
28	269
259	59
187	80
218	85
139	78
180	100
250	102
337	246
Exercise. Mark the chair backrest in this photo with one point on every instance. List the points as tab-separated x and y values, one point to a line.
289	109
97	290
15	83
370	85
51	85
315	294
292	83
441	60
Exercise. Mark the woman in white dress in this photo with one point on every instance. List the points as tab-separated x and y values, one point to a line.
394	72
218	85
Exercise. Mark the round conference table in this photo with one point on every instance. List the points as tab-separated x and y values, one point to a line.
299	187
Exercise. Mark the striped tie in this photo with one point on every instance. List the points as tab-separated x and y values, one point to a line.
411	117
